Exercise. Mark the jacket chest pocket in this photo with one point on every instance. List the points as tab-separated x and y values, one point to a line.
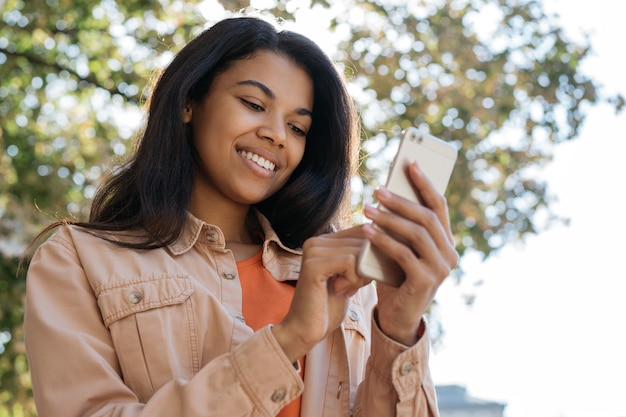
153	330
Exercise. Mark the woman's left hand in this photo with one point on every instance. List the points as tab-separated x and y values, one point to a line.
425	251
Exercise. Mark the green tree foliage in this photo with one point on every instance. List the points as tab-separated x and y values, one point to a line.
504	92
496	77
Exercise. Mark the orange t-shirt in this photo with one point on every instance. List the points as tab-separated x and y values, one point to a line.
266	301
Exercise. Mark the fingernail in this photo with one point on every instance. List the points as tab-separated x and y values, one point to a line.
383	192
369	231
370	211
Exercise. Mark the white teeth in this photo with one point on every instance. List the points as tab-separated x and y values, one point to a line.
260	161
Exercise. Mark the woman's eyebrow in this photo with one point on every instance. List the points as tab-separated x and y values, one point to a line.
266	90
269	93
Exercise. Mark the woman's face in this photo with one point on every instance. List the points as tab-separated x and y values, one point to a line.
250	129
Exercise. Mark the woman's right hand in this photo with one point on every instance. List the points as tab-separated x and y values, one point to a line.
327	280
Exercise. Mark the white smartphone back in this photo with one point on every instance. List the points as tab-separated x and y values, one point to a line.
436	158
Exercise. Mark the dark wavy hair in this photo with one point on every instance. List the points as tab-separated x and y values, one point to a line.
151	193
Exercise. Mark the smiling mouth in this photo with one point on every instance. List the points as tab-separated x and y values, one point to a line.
259	160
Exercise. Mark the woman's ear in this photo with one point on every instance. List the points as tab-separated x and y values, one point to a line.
187	114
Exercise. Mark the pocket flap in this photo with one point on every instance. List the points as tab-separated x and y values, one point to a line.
118	300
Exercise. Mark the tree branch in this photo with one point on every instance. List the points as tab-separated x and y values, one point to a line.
38	61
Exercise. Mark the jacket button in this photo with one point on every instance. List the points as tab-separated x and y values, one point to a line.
229	275
135	296
354	316
212	236
279	395
406	368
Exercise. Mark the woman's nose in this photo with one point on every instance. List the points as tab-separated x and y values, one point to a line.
274	129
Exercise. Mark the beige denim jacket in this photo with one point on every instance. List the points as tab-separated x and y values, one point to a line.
118	332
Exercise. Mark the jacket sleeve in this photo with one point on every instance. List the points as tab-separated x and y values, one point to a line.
75	369
397	379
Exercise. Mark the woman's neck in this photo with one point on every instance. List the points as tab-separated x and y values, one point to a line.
230	218
243	251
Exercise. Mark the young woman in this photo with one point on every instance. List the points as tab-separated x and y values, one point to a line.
178	297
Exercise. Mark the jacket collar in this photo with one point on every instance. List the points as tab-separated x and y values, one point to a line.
281	261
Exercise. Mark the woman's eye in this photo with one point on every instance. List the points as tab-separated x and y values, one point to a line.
252	105
297	130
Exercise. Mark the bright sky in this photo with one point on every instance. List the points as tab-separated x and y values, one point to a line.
546	333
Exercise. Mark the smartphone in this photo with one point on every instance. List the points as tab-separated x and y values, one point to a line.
436	158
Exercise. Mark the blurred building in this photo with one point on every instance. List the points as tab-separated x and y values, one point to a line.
454	402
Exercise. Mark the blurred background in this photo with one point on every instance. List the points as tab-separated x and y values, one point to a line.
531	93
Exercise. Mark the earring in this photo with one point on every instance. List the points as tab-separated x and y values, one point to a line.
187	115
